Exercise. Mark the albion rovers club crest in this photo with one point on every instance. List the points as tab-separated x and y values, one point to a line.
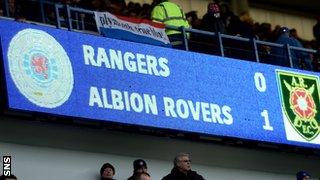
300	103
40	68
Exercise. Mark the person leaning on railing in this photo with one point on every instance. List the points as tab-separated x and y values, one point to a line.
171	14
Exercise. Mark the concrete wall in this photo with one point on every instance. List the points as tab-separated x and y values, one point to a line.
49	151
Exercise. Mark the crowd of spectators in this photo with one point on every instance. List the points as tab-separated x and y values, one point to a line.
218	18
181	171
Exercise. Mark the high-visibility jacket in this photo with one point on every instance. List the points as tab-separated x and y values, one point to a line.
169	13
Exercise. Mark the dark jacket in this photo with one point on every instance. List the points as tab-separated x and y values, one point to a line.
212	21
281	54
178	175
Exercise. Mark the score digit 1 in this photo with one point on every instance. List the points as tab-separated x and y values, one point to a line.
266	125
261	85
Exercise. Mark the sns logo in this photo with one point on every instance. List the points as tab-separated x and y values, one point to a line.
6	165
40	68
300	105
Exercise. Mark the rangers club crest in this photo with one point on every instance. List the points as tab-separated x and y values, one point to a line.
40	68
300	103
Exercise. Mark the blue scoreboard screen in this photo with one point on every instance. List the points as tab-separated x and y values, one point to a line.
73	74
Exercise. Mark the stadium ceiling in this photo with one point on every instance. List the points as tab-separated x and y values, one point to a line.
307	7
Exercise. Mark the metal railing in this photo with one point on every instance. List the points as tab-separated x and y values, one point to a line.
73	22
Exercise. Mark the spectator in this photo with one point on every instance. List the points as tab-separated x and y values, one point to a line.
302	175
139	166
1	8
226	14
142	176
11	177
294	34
282	59
182	169
28	10
170	13
145	12
118	7
316	31
107	172
245	16
212	21
247	25
193	19
237	27
275	33
101	5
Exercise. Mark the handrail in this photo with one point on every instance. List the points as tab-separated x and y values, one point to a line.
269	43
235	37
303	49
81	10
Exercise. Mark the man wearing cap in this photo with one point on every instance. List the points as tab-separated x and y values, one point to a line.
107	172
182	169
302	175
139	166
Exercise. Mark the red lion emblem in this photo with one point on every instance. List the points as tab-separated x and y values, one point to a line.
40	65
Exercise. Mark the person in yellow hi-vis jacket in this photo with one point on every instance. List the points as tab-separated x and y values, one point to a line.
171	14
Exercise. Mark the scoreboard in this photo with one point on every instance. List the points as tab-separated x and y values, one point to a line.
73	74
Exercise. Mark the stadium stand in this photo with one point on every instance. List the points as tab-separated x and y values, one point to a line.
243	39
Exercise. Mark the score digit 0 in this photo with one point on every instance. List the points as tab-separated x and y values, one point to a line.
260	82
261	85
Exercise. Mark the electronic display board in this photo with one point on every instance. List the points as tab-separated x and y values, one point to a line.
74	74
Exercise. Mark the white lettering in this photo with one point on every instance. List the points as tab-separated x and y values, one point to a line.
7	159
136	102
117	99
123	100
182	109
102	58
105	100
163	63
195	111
129	64
150	104
208	112
226	110
205	112
95	97
152	65
88	55
141	64
169	107
116	59
216	113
